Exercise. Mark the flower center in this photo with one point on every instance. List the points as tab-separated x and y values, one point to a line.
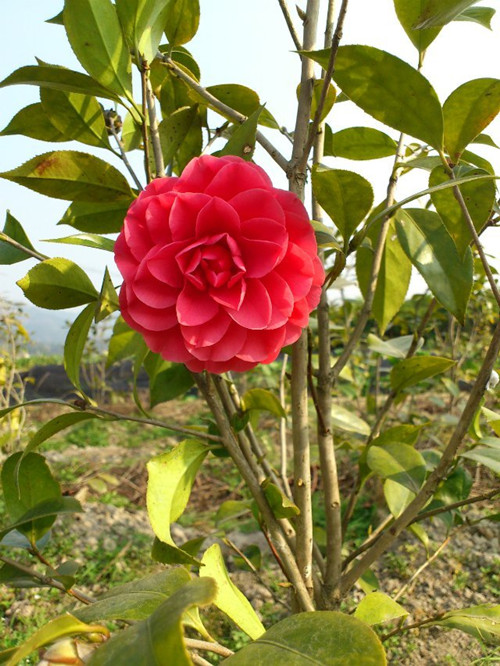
212	262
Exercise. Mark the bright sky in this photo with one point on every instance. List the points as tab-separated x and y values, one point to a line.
238	42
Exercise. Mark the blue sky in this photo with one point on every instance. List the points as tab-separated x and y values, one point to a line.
238	42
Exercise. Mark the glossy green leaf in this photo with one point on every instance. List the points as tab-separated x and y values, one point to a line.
346	419
397	497
56	284
142	22
166	380
77	117
131	134
328	638
27	482
44	510
243	137
408	13
485	455
157	640
395	347
228	598
242	99
71	175
479	197
168	554
174	129
325	236
400	463
57	19
8	253
231	509
486	140
95	35
413	370
388	89
481	15
440	12
75	344
182	20
470	158
14	577
66	625
59	78
482	622
171	476
54	426
432	251
401	434
94	241
263	399
98	218
191	146
281	505
377	608
393	276
345	196
467	111
32	121
108	301
123	343
359	143
316	98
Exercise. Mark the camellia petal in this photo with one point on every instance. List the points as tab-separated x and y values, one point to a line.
234	178
262	346
258	203
183	215
217	216
223	350
209	333
256	309
163	265
195	307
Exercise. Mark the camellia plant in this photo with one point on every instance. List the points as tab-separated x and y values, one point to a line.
227	292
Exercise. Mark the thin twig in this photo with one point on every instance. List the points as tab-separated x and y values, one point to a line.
283	437
145	133
123	155
153	128
32	253
439	473
289	22
415	625
199	661
216	648
223	109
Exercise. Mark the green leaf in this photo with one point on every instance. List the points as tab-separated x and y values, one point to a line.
182	21
56	284
75	344
479	196
95	35
481	15
231	509
77	117
393	276
326	638
228	598
13	577
108	299
54	426
377	608
440	12
411	371
467	111
432	251
402	434
408	13
136	600
388	89
470	158
27	482
316	98
168	554
58	78
485	455
94	241
68	174
243	138
158	639
124	342
174	129
346	419
325	236
262	399
8	253
131	133
242	99
395	347
397	497
171	476
359	143
281	506
482	622
100	218
345	196
400	463
32	121
166	380
43	510
66	625
57	19
142	22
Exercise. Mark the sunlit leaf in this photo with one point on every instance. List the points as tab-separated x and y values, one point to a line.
359	143
98	218
408	13
8	253
482	622
263	400
395	347
143	22
243	138
413	370
400	463
346	419
75	344
166	380
181	22
32	121
377	608
43	510
485	455
281	505
440	12
481	15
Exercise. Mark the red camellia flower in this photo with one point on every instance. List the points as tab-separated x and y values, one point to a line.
220	268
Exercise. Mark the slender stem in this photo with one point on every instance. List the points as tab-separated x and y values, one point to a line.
289	22
153	127
32	253
216	648
429	487
326	82
415	625
145	133
283	437
284	553
455	505
223	109
199	661
123	155
48	580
